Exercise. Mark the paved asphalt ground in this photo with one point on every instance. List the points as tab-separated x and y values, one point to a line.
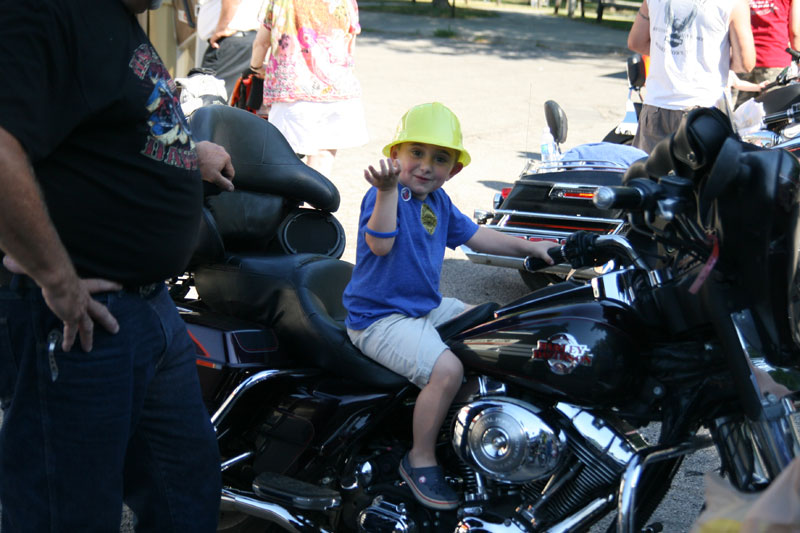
495	73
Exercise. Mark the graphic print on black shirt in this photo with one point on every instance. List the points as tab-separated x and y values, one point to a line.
169	140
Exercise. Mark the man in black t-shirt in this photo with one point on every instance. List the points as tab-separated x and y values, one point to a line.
102	193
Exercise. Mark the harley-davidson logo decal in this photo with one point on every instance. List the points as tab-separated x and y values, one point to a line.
563	353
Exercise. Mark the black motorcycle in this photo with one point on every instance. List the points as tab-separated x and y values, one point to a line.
552	199
781	106
544	435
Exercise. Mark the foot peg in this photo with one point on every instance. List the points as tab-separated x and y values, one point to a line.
295	493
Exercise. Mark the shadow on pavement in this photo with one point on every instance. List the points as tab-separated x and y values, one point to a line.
498	46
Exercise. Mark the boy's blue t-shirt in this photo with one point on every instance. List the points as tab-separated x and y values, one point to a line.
406	280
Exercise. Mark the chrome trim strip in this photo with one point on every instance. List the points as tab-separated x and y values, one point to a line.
537	232
626	500
244	386
535	167
233	500
238	459
518	263
536	214
582	518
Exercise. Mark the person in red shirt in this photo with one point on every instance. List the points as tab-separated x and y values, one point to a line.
776	25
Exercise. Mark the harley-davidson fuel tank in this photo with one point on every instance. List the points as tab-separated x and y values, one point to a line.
579	349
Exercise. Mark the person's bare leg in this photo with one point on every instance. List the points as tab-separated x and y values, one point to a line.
431	408
322	161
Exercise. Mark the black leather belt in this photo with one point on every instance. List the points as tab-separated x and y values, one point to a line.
237	34
16	281
20	281
145	291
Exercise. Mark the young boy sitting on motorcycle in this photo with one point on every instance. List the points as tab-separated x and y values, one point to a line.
393	298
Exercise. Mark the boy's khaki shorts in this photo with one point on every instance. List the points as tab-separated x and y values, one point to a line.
405	345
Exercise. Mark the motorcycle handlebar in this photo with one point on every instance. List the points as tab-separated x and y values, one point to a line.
618	198
617	244
784	76
793	113
556	253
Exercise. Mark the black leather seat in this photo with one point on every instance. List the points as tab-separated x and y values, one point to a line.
300	297
262	158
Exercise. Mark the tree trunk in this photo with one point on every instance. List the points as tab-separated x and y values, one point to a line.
441	4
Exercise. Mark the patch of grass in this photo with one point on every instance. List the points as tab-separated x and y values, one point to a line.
423	8
624	25
618	19
448	33
466	9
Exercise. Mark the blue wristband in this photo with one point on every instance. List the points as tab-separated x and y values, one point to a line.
381	234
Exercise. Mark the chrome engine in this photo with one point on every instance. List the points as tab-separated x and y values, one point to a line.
506	440
385	517
562	462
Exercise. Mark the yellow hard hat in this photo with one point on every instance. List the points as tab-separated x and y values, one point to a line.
430	123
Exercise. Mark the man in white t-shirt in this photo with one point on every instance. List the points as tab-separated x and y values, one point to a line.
692	45
231	41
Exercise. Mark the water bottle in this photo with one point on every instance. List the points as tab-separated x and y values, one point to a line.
548	146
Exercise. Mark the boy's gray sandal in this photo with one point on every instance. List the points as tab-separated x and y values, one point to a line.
428	486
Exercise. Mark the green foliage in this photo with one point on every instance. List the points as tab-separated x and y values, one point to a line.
424	8
621	19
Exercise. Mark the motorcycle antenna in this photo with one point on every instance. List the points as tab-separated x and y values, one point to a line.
528	125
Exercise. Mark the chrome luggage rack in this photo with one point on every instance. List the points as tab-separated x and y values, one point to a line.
532	225
534	166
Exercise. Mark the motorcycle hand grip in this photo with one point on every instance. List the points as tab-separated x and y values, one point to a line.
770	85
533	264
618	198
787	114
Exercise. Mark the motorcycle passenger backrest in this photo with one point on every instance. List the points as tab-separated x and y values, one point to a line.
263	160
556	120
209	247
637	73
247	221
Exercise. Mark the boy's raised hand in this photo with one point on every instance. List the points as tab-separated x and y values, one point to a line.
384	179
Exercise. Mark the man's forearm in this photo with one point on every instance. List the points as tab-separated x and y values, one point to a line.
639	35
743	51
26	231
794	24
261	45
226	12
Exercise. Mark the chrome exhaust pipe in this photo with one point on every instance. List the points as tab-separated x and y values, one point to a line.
233	500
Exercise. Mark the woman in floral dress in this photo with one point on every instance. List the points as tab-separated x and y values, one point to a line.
304	50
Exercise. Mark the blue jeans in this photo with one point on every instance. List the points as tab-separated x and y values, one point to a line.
84	432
